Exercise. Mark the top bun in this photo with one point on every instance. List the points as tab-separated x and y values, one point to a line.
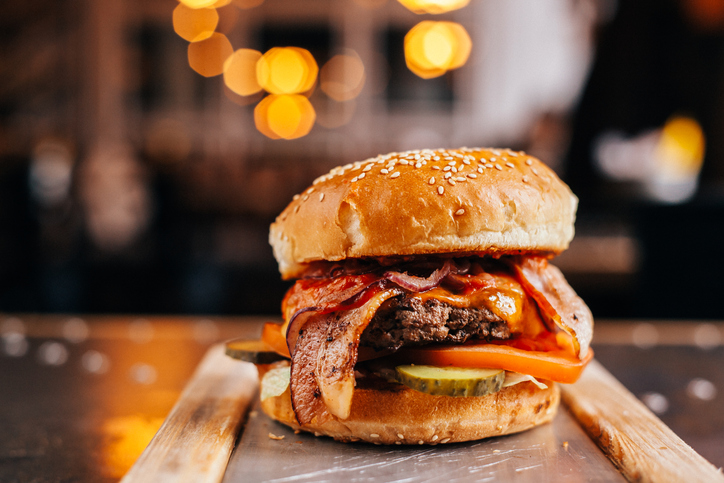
445	201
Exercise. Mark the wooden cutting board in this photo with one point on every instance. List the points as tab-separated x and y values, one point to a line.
601	419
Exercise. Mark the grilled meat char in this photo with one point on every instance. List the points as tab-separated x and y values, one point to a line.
406	320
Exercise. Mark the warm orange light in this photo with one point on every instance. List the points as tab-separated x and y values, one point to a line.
198	3
286	70
681	147
343	77
240	72
433	6
284	116
207	57
221	3
194	24
127	437
247	4
433	48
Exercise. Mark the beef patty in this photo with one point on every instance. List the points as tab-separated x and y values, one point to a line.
408	321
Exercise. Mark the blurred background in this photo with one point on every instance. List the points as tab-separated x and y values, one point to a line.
146	145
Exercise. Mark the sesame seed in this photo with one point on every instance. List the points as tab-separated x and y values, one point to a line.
384	171
295	197
528	162
397	442
354	180
466	161
451	163
417	156
418	165
472	175
404	162
454	169
434	438
306	197
367	168
296	208
321	196
373	435
431	180
480	169
448	158
448	175
436	158
461	179
493	159
310	190
513	153
498	167
488	165
525	179
400	435
443	441
396	174
535	171
510	165
436	167
460	212
440	190
421	442
361	176
452	183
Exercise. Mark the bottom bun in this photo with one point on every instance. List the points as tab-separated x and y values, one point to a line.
388	413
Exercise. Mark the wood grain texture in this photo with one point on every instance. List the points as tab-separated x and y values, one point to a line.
195	441
633	438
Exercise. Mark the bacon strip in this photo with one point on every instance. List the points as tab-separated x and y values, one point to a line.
557	301
324	356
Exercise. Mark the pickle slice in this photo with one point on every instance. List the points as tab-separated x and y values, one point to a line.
451	381
256	351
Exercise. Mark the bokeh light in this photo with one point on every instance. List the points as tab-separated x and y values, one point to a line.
198	3
240	72
433	6
207	56
433	48
194	24
681	146
221	3
247	4
284	116
342	77
287	70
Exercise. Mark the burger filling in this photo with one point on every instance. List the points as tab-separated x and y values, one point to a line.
408	321
513	304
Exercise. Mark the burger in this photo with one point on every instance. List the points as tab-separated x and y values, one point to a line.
425	309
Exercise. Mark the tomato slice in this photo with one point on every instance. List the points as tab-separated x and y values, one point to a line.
272	335
557	366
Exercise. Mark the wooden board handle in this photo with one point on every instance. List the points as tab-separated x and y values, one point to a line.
195	441
632	437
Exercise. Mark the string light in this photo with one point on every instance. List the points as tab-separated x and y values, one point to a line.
285	116
433	48
194	24
207	57
433	6
343	77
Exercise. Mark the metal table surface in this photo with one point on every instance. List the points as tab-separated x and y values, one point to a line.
81	397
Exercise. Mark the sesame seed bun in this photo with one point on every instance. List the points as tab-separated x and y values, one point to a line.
389	413
468	200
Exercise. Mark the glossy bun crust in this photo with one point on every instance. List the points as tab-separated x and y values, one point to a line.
394	414
462	201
